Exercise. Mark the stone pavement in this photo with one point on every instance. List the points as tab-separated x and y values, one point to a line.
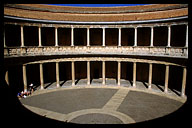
100	105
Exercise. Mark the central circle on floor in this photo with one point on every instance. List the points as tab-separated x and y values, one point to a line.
96	118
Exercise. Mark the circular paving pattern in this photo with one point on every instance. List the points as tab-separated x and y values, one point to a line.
100	105
96	118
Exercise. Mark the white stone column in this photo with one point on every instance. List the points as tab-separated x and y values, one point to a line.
22	37
152	32
103	43
134	74
169	37
39	33
184	82
4	38
72	36
135	39
103	72
119	74
41	76
7	77
24	78
88	38
186	43
150	76
166	78
56	37
57	74
119	41
73	72
88	72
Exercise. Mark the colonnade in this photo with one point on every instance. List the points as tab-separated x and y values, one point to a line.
104	77
103	36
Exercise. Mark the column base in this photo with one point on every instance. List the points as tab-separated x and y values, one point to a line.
42	88
58	85
165	91
183	96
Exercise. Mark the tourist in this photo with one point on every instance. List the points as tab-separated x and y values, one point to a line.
31	88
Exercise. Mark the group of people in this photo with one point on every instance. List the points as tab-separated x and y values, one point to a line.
24	94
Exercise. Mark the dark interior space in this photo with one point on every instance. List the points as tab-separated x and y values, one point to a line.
127	70
143	36
111	36
111	69
15	75
158	74
64	36
95	36
160	36
178	35
12	35
142	72
65	71
33	74
80	36
127	36
96	69
175	77
80	70
48	36
30	36
49	72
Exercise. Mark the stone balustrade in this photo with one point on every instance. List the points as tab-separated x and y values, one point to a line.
178	52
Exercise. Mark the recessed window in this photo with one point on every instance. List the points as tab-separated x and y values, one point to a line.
160	36
127	36
111	36
12	35
143	36
30	36
64	36
96	36
80	36
178	35
48	36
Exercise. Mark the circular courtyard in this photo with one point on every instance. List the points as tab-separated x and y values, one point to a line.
96	105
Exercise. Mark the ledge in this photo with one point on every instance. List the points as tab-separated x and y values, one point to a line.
175	52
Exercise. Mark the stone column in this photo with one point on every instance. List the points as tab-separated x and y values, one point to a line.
57	74
150	76
22	37
152	32
166	78
4	38
186	43
24	78
41	76
72	36
88	38
56	37
169	37
135	39
103	72
119	74
119	41
134	74
39	33
7	77
184	82
88	72
73	72
103	43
